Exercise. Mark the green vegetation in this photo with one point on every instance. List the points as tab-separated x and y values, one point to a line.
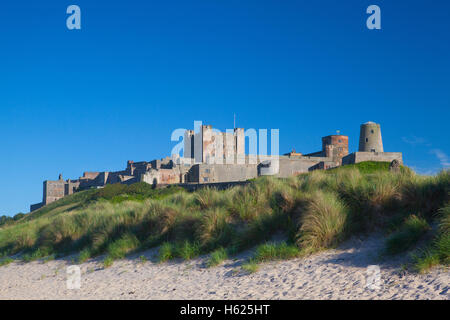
117	193
84	255
108	262
323	221
188	250
166	252
250	266
408	235
368	167
273	251
438	252
185	250
39	253
6	219
5	261
217	257
313	211
122	246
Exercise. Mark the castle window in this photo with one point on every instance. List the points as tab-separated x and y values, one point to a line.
371	131
205	179
367	139
339	140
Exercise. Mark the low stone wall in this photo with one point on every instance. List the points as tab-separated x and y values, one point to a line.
294	166
36	206
357	157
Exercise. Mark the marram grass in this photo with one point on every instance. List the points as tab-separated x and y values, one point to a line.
312	211
438	252
217	257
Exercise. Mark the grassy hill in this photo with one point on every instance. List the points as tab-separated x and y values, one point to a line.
314	211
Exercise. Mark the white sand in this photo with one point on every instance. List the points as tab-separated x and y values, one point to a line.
335	274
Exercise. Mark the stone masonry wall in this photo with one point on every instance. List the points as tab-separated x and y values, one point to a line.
359	156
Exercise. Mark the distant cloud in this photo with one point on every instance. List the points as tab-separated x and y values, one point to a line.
425	171
442	156
414	141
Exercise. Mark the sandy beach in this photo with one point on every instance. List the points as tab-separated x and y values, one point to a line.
334	274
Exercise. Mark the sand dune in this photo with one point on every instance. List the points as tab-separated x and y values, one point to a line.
334	274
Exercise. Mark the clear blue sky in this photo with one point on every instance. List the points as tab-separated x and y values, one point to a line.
91	99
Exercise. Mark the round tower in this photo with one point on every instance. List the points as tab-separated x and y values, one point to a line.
370	137
335	146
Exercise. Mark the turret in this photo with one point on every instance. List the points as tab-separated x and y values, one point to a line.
370	138
335	147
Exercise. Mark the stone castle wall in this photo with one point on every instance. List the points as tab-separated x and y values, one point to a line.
213	157
357	157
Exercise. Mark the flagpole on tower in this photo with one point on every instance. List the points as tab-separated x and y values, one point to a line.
234	121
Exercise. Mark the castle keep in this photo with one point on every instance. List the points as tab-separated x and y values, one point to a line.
212	157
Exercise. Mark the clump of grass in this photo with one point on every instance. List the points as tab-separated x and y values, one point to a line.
427	260
442	245
108	262
436	254
369	197
383	190
323	221
188	250
444	216
426	194
250	267
166	252
250	201
84	255
270	251
121	247
215	229
313	181
408	235
5	261
39	253
142	259
49	258
260	229
182	199
217	257
275	251
285	198
439	250
207	198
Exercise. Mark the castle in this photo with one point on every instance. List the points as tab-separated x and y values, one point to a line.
212	157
